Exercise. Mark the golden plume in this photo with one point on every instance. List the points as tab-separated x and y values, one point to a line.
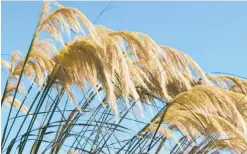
232	83
8	99
207	110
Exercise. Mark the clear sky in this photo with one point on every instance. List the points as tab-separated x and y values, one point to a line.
212	33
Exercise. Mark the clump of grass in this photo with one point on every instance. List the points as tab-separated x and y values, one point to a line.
120	72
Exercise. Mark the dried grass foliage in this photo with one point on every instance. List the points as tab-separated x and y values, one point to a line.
10	89
218	111
132	65
232	83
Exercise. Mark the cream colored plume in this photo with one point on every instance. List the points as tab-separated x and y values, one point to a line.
8	98
205	110
64	19
17	104
232	83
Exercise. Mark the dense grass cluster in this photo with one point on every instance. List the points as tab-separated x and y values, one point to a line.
128	94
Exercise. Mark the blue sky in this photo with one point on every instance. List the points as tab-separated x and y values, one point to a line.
214	34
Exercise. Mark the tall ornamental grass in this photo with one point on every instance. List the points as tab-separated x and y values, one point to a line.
107	91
